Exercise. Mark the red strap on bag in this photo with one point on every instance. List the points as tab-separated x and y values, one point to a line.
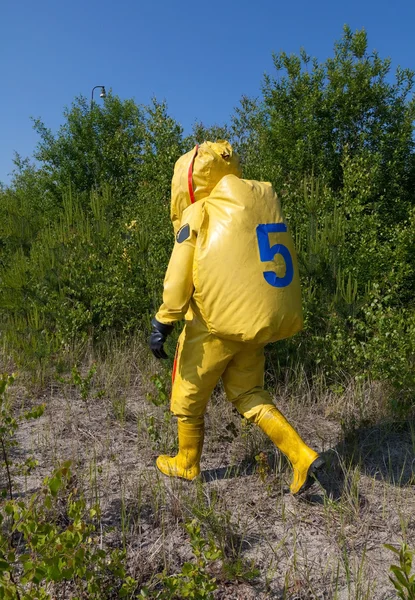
190	176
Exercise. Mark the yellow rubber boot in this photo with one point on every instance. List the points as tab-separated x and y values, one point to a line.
304	460
186	463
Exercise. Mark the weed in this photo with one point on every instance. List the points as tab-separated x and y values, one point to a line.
153	431
263	469
220	527
159	396
52	555
402	579
240	570
194	580
9	425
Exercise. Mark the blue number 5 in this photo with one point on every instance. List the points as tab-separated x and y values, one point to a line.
267	253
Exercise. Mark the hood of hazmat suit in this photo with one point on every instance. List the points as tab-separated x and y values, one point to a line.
197	172
245	271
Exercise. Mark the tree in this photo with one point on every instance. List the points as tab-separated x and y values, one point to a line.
109	144
96	144
313	114
74	230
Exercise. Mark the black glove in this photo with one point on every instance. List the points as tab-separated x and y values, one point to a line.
158	337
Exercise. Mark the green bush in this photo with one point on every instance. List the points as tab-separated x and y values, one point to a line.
83	275
55	550
336	140
402	579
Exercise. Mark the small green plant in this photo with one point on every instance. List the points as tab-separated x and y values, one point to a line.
158	397
9	424
194	580
57	551
225	532
153	432
402	579
239	570
263	469
84	384
159	433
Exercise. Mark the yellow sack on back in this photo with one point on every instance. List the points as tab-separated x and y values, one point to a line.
196	174
245	269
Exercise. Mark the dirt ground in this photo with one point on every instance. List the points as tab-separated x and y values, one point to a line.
326	544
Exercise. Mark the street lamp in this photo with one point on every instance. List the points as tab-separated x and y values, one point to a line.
103	93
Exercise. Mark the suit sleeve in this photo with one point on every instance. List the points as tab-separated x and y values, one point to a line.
178	282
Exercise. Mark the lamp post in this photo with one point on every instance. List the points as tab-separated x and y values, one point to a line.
103	93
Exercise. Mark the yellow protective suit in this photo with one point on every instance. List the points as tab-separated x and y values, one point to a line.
233	277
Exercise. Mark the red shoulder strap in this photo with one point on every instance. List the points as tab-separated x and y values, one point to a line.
190	175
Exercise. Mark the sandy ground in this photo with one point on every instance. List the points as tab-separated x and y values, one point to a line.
326	544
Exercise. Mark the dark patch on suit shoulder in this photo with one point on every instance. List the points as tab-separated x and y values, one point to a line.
183	233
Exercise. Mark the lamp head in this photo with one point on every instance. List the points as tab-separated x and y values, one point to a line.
103	93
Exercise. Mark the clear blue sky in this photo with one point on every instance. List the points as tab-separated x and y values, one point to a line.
201	57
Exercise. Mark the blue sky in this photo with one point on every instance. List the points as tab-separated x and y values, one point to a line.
201	57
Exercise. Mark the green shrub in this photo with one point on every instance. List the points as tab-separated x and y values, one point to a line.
402	579
9	424
57	551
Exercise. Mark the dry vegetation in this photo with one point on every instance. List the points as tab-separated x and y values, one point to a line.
328	544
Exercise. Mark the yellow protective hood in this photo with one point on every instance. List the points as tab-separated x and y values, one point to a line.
197	172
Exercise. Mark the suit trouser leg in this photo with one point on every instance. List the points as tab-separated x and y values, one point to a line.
243	380
200	361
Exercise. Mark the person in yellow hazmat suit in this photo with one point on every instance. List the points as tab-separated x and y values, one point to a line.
233	277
